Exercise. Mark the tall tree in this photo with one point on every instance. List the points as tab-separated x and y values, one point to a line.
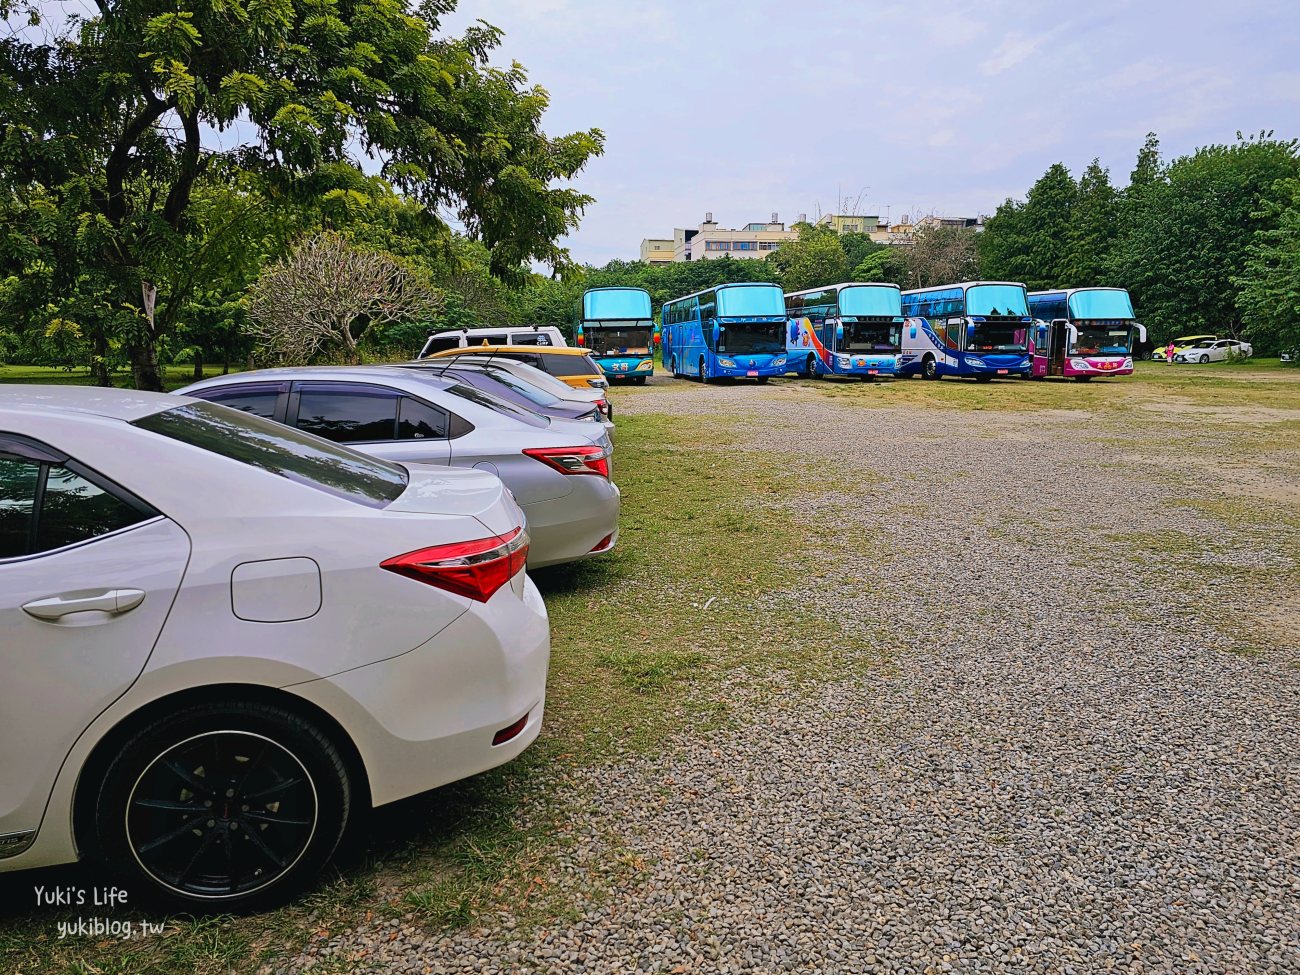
1185	237
941	255
1092	231
1269	298
112	123
1028	242
814	259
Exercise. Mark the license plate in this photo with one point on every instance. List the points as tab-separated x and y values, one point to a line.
873	372
1002	372
752	372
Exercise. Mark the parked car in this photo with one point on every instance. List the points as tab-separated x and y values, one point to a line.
1181	344
532	374
575	367
1215	350
223	637
558	470
493	378
459	338
1290	357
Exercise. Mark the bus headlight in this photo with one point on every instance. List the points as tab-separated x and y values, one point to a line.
977	363
1081	364
645	364
779	361
727	363
844	361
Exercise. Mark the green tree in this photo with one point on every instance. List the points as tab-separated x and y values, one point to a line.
1092	231
887	265
113	120
1269	298
1029	241
1186	236
814	259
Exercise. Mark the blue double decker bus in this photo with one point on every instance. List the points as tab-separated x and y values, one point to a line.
844	330
617	325
977	328
735	330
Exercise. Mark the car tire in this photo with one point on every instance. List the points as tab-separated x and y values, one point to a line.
1204	359
929	368
171	815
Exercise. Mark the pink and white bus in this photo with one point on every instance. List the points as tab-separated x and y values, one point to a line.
1083	332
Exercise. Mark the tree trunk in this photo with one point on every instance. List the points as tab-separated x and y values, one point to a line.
144	351
99	358
225	366
198	364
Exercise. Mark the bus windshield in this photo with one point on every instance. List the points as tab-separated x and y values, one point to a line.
1102	303
751	301
997	300
753	338
1097	338
625	304
871	337
634	340
870	301
998	337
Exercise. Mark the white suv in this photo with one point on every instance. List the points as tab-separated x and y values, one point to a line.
459	338
222	637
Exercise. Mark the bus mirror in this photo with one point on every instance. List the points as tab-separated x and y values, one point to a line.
970	331
839	332
717	333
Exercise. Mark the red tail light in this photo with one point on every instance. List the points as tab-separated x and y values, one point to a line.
475	569
573	460
602	405
509	731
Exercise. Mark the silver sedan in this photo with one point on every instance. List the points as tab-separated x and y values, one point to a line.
558	470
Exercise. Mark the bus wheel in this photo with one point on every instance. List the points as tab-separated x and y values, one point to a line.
761	380
809	370
639	380
1082	379
704	376
929	368
983	379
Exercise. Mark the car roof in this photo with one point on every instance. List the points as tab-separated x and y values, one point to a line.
487	349
115	404
324	373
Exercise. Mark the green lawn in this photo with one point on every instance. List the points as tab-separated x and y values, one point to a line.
175	376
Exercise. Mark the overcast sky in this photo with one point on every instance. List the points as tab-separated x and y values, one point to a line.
743	108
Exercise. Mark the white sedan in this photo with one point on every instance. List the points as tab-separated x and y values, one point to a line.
221	638
1215	350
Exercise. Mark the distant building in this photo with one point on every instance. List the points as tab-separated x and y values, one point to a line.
708	241
848	223
657	251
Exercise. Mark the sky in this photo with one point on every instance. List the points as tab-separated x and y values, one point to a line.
745	108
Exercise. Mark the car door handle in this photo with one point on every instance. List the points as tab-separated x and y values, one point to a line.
92	600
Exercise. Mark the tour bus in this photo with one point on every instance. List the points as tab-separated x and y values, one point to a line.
730	330
848	329
617	325
977	328
1084	332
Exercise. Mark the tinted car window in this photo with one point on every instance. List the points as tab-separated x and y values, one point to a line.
570	365
440	345
281	450
530	338
498	404
418	420
18	479
347	413
259	400
74	509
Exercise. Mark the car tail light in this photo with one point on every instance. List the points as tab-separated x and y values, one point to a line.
475	569
573	460
602	405
603	544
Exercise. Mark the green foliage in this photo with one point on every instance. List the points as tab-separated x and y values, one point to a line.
1269	298
1187	232
115	122
1029	241
815	259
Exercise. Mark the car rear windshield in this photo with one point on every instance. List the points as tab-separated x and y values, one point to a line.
498	404
292	454
570	365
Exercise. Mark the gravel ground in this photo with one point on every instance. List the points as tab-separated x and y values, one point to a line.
1061	769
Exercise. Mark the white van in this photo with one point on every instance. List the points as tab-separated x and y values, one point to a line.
459	338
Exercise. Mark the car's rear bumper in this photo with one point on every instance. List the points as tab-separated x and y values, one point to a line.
570	528
425	718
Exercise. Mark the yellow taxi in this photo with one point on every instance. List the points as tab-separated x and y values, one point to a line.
1181	344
